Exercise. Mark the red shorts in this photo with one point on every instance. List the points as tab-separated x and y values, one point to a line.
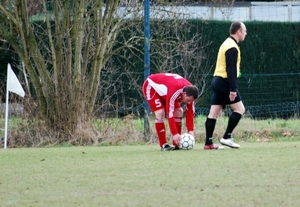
155	101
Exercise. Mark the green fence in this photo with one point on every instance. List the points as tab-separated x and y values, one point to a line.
270	65
265	95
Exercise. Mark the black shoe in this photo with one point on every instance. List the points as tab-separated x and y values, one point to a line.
176	148
166	147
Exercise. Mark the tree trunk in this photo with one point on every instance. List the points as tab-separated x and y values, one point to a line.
63	57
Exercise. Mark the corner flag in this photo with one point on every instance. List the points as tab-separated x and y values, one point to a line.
12	85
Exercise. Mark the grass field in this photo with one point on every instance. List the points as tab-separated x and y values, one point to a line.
258	174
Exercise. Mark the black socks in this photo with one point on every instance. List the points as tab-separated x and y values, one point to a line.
232	123
209	127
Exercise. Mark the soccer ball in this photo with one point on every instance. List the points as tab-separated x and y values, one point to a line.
187	142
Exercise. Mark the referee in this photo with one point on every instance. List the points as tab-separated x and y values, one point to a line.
224	87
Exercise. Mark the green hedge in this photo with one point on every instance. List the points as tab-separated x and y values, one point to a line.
270	65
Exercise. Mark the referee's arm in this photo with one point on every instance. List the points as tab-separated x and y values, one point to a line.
231	69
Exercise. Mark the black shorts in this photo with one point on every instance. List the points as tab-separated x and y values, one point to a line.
221	89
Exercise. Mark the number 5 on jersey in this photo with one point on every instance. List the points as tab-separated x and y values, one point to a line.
157	103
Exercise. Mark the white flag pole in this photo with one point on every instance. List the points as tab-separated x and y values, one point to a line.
12	84
6	118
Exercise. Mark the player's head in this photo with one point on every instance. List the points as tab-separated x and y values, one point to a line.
238	30
190	94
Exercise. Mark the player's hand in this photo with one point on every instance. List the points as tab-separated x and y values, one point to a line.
176	138
191	133
232	95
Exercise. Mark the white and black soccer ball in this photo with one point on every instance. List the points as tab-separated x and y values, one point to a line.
187	142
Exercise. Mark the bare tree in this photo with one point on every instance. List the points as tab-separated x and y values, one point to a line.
63	56
224	6
182	51
177	46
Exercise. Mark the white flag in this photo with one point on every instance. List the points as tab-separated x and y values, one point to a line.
13	84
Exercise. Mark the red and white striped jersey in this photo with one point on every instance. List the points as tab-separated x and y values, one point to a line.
170	87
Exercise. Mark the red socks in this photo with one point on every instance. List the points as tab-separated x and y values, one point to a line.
178	122
161	131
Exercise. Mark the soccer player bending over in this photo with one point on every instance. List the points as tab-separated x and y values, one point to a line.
164	93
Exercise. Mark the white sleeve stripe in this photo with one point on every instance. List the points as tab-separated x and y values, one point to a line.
172	102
